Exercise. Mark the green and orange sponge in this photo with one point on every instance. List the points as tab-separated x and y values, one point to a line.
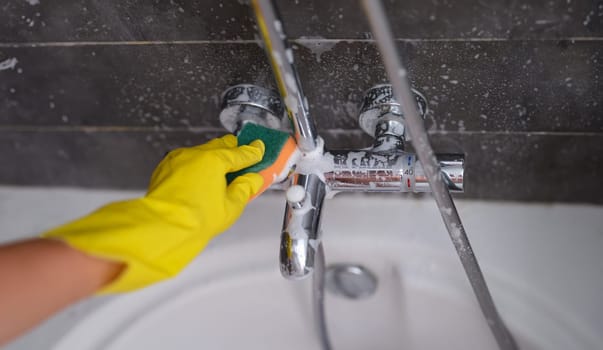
279	158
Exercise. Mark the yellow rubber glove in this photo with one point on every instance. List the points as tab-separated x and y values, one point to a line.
187	204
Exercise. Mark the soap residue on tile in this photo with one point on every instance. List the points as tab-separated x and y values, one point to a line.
9	63
317	45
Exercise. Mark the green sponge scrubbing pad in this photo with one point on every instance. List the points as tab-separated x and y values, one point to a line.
279	157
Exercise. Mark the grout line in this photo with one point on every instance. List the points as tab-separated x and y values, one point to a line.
202	129
298	41
485	132
578	38
526	133
123	43
108	128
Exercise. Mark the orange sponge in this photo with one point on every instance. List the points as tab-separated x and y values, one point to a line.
279	157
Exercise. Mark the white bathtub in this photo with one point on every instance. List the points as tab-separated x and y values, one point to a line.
544	264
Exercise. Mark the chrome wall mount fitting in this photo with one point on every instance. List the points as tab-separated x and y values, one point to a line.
386	167
383	167
247	103
379	106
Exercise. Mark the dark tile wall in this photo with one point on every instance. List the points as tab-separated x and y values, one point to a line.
115	20
93	93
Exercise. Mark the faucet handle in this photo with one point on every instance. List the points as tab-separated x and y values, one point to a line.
247	103
379	109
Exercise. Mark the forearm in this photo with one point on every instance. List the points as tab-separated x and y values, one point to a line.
39	277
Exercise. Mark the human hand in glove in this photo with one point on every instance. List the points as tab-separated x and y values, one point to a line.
128	245
187	204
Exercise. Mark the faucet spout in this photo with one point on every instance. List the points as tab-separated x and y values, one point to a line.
301	234
301	228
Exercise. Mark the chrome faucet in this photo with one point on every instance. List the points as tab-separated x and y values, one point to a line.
383	167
